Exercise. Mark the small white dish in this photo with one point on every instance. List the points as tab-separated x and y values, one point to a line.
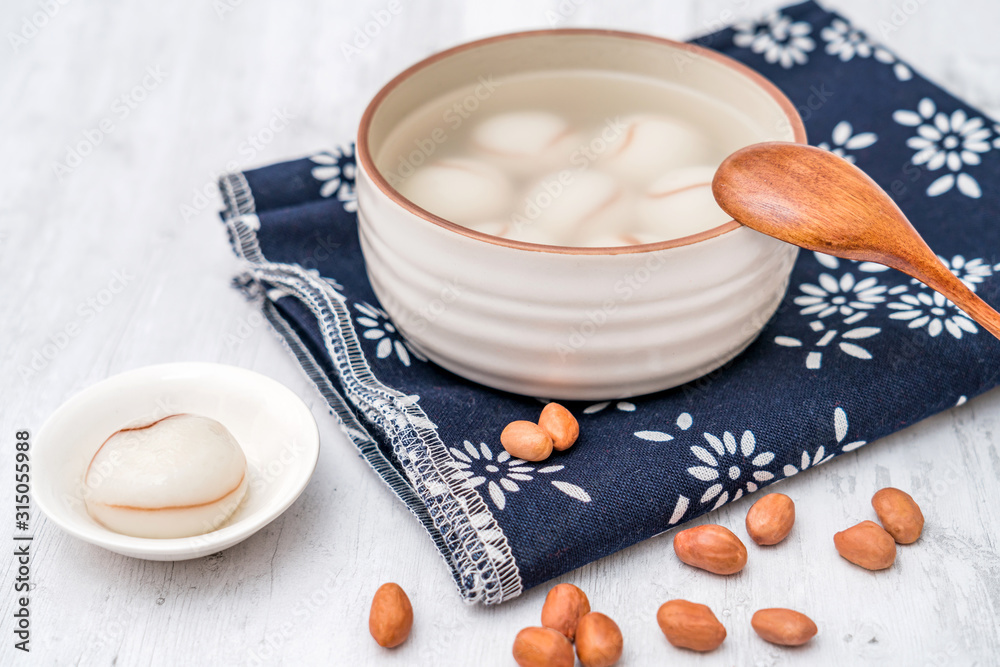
275	428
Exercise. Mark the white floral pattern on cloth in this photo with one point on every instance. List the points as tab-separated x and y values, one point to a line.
622	406
503	474
834	263
337	171
684	422
727	460
379	327
740	462
779	39
847	42
854	299
972	272
934	312
828	340
843	140
955	141
848	297
818	458
840	427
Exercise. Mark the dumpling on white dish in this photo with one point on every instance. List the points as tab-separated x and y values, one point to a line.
179	476
651	144
680	203
460	190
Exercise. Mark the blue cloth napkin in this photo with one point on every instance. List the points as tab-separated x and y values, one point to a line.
855	352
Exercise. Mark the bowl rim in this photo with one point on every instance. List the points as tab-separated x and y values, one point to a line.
196	546
367	163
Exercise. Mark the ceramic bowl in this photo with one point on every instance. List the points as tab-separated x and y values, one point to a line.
563	322
273	426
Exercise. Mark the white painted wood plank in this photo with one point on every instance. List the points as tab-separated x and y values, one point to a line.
297	593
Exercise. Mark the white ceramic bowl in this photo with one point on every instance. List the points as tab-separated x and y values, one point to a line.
275	428
561	322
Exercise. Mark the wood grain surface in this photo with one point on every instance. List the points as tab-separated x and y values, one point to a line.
115	259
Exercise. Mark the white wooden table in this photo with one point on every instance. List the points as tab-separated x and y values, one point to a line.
141	203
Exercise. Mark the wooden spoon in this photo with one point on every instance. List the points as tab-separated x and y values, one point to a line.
816	200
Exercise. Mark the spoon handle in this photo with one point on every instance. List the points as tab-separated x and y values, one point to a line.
948	284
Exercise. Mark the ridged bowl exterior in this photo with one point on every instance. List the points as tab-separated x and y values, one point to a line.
566	326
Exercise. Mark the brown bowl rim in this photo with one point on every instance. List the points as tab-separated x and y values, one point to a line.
367	163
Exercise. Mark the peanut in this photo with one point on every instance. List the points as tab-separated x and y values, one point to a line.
542	647
561	426
771	519
783	626
564	605
867	545
900	515
690	625
711	547
391	616
526	440
599	641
